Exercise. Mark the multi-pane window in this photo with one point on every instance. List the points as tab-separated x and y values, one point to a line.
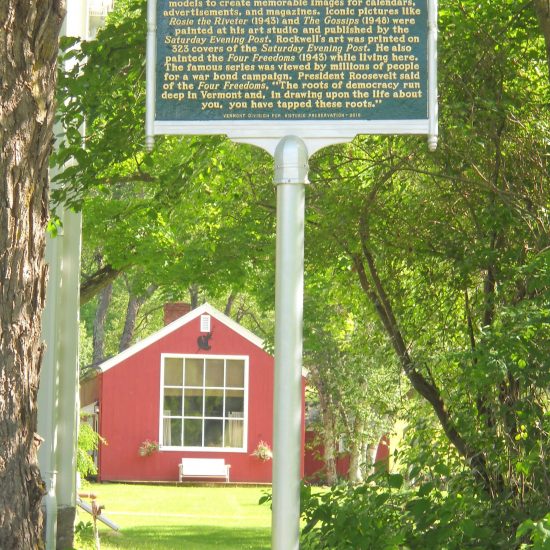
203	402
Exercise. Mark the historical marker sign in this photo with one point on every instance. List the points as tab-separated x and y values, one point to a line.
287	64
291	76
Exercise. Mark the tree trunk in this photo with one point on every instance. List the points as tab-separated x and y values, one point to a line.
99	324
132	309
328	420
194	296
370	454
29	45
542	9
329	442
229	303
355	473
134	305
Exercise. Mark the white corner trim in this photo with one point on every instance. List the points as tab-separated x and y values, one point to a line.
175	325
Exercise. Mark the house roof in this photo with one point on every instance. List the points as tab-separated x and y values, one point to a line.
175	325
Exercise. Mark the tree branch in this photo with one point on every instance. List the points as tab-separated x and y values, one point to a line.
428	390
95	283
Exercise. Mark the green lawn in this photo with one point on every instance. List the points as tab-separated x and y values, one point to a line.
190	518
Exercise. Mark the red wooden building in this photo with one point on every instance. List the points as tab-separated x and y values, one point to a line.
201	387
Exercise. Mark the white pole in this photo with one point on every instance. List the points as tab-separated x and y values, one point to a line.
432	75
151	72
68	405
291	167
55	396
47	392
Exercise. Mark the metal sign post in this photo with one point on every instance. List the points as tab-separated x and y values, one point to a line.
291	167
291	77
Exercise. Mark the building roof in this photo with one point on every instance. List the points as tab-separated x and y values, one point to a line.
175	325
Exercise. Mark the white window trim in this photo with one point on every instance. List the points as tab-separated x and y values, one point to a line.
243	449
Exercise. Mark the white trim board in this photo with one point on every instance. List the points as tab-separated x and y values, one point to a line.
316	134
175	325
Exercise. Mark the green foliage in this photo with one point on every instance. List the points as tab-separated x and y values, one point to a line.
356	381
84	537
430	506
353	517
383	514
166	218
450	251
538	532
85	345
88	441
433	502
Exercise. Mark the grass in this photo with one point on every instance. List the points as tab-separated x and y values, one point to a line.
194	518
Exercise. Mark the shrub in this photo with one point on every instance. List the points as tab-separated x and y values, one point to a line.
88	441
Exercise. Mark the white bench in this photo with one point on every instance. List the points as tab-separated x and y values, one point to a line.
204	467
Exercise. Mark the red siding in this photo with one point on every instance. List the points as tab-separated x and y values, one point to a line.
130	402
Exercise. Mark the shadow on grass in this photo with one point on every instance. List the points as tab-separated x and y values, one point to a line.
173	537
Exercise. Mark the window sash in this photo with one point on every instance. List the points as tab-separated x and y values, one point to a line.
212	416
